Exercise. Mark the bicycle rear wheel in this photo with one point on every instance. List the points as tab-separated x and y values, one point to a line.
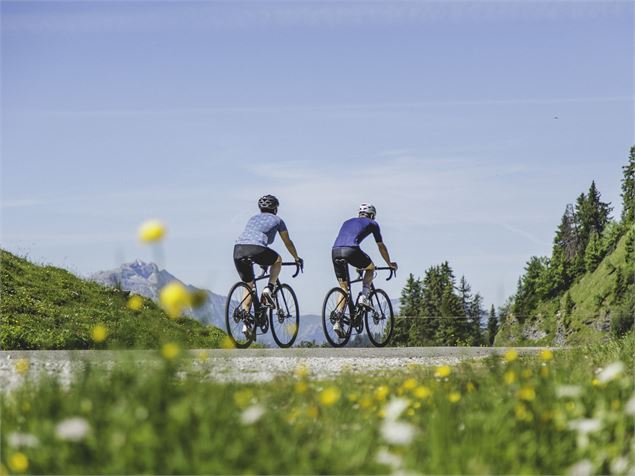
335	300
380	320
285	319
239	312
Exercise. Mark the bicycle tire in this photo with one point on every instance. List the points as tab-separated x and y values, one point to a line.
385	310
231	306
330	305
282	301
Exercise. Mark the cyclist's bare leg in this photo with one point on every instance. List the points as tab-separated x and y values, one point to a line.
247	299
274	271
368	276
342	303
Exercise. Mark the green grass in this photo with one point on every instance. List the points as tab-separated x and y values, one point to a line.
170	420
44	307
595	303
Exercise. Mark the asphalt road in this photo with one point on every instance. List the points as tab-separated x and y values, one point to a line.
249	365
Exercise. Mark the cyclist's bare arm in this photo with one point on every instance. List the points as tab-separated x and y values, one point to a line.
384	254
284	235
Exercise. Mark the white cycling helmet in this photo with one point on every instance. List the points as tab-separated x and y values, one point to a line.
367	209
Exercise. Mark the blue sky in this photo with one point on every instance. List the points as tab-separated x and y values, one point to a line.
442	114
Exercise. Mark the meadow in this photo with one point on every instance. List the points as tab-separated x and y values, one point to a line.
556	412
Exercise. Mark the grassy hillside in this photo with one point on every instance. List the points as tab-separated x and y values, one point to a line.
597	308
43	307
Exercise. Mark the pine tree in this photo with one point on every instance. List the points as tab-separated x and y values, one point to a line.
475	312
628	189
492	326
408	311
463	324
594	253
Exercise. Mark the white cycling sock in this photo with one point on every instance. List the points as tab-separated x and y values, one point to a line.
366	290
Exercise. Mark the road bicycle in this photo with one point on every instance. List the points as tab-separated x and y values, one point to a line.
339	307
246	316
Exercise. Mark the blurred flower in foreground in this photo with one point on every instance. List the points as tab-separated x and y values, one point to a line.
252	414
511	355
151	231
527	393
394	408
568	391
170	350
585	426
509	377
72	429
581	468
175	299
630	406
135	302
443	371
22	366
454	397
301	371
18	462
387	458
329	396
227	343
397	432
26	440
99	333
422	392
381	392
611	372
546	355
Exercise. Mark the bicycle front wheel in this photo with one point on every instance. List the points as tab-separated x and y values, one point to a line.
336	319
285	318
239	315
380	320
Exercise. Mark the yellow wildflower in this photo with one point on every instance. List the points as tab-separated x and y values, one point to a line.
242	398
365	403
18	462
301	371
510	377
596	383
170	350
151	231
329	396
22	366
511	355
409	384
381	392
443	371
546	355
301	387
527	393
135	302
522	413
454	397
381	413
470	387
312	411
227	343
422	392
174	298
99	333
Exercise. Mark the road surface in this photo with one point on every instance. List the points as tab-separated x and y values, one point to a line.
250	365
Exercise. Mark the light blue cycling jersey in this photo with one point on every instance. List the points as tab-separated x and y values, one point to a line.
261	230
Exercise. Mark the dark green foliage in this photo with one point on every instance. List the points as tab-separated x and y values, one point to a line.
593	253
628	189
623	317
492	326
44	307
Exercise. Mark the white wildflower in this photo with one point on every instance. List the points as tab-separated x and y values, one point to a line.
397	433
24	440
395	408
252	414
72	429
630	406
611	372
581	468
585	426
387	458
619	465
568	391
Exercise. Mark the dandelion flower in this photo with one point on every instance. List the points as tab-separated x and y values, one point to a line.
170	351
174	298
151	231
546	355
365	403
22	366
227	343
381	392
397	433
511	355
99	333
527	393
329	396
509	377
454	397
611	372
443	371
595	382
242	398
409	384
301	387
394	408
25	440
422	392
135	302
252	414
18	462
72	429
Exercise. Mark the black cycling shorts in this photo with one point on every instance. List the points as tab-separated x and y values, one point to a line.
352	255
258	254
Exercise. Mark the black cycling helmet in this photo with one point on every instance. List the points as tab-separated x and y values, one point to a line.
268	202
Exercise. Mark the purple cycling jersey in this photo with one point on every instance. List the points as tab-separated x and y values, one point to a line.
354	231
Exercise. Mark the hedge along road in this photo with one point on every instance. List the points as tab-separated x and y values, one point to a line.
249	365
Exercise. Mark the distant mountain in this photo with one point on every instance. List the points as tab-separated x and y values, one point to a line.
146	279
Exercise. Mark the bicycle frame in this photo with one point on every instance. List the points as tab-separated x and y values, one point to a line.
360	272
257	306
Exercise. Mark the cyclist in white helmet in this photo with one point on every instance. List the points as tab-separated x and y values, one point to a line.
346	246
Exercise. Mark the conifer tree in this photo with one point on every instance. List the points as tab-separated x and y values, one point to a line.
492	326
628	189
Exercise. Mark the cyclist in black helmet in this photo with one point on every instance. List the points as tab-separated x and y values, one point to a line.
254	242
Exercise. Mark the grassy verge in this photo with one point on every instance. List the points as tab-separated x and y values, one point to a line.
529	415
44	307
